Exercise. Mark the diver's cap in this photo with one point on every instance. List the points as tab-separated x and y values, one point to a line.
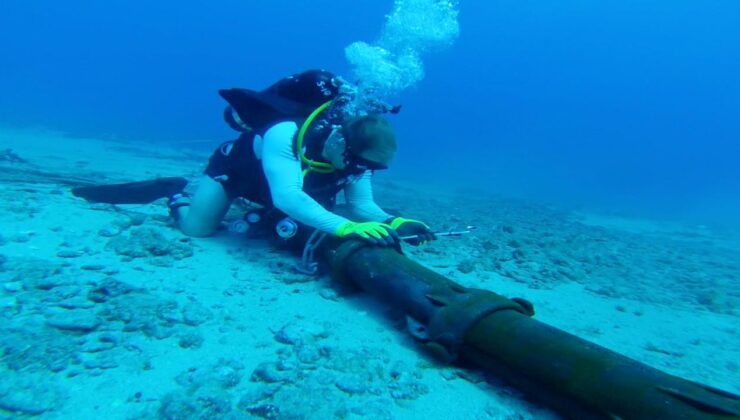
371	138
295	96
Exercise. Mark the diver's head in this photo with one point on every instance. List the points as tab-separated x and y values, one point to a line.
362	144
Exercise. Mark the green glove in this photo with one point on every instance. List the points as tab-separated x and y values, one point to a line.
375	233
418	232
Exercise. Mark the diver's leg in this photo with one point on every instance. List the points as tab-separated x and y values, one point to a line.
206	210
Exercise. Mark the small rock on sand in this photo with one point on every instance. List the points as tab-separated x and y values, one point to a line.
75	320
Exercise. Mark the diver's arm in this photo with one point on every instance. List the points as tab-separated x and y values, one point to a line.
285	178
359	196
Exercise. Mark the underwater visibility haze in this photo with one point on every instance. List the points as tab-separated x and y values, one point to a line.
584	155
628	105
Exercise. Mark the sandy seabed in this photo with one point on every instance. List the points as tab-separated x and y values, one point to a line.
110	312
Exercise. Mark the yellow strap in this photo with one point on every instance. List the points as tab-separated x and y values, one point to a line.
313	165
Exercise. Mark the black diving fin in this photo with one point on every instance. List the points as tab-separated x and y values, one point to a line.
142	192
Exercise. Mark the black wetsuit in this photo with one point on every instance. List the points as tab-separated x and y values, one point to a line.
235	165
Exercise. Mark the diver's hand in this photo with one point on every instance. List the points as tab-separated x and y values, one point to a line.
417	232
375	233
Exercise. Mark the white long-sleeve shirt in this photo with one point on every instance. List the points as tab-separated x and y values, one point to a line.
285	178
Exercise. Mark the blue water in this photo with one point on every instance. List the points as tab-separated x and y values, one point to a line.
624	106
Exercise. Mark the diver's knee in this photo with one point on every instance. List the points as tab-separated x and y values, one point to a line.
195	229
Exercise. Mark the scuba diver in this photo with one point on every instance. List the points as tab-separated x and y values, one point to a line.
301	143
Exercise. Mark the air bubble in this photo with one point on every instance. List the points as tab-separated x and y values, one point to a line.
394	62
